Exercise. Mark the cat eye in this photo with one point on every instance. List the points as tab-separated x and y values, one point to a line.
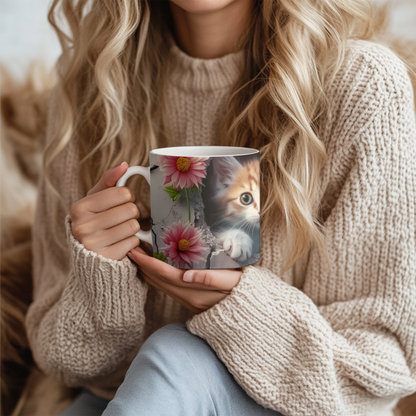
246	198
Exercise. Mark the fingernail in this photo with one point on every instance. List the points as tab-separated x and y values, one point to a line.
122	163
188	277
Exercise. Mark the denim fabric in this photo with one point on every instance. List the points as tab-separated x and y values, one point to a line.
86	404
177	374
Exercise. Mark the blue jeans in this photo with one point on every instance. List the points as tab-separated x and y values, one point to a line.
177	373
86	404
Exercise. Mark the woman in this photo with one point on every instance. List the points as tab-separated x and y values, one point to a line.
325	323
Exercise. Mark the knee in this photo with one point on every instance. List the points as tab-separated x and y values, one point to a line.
167	344
167	338
172	347
168	333
169	353
166	365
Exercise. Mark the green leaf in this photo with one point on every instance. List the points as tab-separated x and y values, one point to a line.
160	256
172	192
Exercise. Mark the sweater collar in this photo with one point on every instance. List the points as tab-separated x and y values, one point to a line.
196	74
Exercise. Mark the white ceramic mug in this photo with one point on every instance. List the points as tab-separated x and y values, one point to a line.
205	205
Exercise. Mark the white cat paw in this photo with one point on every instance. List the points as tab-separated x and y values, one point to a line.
236	243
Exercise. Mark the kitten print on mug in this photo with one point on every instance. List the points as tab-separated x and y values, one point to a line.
210	215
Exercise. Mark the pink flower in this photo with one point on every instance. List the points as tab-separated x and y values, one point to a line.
184	244
184	172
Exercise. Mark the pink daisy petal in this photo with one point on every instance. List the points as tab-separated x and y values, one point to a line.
170	170
181	173
191	178
194	240
167	180
176	176
176	234
196	258
187	234
185	257
194	250
181	183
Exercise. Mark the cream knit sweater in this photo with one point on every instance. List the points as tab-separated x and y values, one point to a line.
310	341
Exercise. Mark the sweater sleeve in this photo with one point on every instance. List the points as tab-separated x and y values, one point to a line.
87	313
345	342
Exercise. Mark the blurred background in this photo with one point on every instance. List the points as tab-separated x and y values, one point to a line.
26	34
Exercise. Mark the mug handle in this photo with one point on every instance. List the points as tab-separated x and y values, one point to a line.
145	172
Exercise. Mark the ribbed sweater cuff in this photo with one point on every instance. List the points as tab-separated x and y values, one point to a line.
262	331
258	299
104	280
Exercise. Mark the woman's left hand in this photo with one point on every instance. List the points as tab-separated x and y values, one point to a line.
197	290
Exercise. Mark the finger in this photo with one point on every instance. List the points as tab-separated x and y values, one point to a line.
107	199
140	250
109	178
195	300
224	280
157	267
112	217
119	250
221	280
113	235
178	299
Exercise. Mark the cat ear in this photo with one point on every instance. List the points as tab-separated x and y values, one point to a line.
225	170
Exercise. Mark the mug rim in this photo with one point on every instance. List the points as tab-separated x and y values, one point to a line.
204	151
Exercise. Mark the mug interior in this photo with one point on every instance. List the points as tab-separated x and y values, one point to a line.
207	151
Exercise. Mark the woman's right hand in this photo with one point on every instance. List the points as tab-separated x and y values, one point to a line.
105	221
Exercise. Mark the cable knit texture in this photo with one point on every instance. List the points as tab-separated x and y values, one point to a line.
315	340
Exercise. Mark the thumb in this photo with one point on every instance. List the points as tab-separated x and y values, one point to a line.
109	178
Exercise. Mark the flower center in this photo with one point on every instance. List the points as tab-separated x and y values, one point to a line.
183	164
183	245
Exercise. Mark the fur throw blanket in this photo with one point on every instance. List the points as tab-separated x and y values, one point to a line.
22	124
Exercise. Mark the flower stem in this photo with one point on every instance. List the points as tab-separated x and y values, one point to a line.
189	204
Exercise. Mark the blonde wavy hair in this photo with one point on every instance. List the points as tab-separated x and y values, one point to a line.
112	72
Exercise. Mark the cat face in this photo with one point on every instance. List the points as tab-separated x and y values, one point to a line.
238	191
